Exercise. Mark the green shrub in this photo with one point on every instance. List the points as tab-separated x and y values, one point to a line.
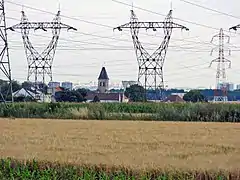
203	112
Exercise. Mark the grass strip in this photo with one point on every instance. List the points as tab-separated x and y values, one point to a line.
32	169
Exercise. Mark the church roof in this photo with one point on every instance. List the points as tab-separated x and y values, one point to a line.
103	74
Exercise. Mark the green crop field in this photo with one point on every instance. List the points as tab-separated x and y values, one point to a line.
202	112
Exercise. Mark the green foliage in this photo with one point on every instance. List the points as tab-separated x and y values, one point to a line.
5	88
71	96
96	99
33	170
194	96
204	112
136	93
27	84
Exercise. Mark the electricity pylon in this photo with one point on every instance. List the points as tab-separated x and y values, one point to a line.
235	27
40	64
5	94
220	93
151	65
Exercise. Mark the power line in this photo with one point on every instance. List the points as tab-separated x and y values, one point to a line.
90	34
210	9
108	45
98	23
87	41
146	10
36	9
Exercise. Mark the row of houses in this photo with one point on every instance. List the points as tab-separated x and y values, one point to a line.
102	92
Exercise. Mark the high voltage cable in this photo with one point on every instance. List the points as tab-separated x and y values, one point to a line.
125	40
90	23
109	45
98	23
146	10
184	67
36	9
210	9
111	38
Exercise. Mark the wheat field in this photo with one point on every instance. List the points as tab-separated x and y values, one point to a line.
138	145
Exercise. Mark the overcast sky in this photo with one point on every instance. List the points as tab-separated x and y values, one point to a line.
80	55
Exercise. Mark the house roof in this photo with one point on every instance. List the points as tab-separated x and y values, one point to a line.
103	74
174	98
104	96
24	92
59	89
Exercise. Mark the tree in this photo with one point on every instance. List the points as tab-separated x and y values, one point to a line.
96	99
135	93
4	87
83	92
27	84
70	96
194	96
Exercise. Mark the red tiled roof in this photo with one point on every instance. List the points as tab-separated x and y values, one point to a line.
58	89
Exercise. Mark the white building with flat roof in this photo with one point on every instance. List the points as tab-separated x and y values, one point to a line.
67	85
53	84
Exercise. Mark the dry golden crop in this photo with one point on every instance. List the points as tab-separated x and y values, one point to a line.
138	145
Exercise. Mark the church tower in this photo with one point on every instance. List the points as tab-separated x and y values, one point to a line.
103	81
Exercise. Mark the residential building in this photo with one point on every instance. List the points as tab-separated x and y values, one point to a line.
228	86
53	84
174	98
67	85
107	97
238	87
31	93
181	95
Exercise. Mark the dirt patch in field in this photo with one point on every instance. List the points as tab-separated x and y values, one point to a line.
131	144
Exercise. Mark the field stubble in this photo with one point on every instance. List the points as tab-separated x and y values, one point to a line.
136	145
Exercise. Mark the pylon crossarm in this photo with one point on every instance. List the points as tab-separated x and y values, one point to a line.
150	25
41	25
235	27
229	62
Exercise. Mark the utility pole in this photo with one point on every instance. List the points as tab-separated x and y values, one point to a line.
220	93
151	65
5	68
40	64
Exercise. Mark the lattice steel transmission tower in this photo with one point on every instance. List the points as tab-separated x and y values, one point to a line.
5	94
235	27
151	65
40	64
220	93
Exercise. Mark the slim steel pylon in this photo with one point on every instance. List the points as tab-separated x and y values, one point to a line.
151	65
220	93
5	94
40	64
